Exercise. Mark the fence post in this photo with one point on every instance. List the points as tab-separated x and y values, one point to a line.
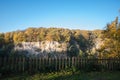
62	63
23	64
0	65
82	63
69	62
56	63
36	64
49	64
39	63
12	63
30	63
75	61
72	61
16	64
66	62
59	63
5	62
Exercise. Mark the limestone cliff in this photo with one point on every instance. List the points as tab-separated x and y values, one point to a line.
43	48
58	49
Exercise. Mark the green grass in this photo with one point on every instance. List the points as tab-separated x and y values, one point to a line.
64	75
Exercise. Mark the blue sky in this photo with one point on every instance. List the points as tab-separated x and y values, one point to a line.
72	14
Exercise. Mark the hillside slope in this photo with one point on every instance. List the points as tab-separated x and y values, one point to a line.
49	42
59	42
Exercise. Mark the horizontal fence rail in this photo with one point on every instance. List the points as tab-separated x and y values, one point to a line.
22	64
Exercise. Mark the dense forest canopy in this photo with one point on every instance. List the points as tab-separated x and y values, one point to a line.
40	34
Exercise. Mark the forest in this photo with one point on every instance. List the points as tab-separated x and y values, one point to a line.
85	40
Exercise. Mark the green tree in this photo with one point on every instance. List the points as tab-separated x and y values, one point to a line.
73	51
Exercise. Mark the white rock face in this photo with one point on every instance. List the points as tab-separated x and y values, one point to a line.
51	48
43	48
98	42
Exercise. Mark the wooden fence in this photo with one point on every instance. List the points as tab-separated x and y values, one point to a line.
21	64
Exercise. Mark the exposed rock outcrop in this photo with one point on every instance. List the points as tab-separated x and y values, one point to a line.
43	48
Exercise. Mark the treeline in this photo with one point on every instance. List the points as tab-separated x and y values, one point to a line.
73	37
41	34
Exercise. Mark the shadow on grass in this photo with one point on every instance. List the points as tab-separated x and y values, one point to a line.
89	76
65	76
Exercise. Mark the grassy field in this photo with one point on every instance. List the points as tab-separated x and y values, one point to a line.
64	75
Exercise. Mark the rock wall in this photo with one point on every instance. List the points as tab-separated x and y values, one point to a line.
43	48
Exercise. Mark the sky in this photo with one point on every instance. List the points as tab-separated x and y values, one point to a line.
71	14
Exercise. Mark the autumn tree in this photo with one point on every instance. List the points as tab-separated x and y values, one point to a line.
111	37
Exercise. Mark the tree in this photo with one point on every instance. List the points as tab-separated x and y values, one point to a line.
1	40
8	37
111	37
73	51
